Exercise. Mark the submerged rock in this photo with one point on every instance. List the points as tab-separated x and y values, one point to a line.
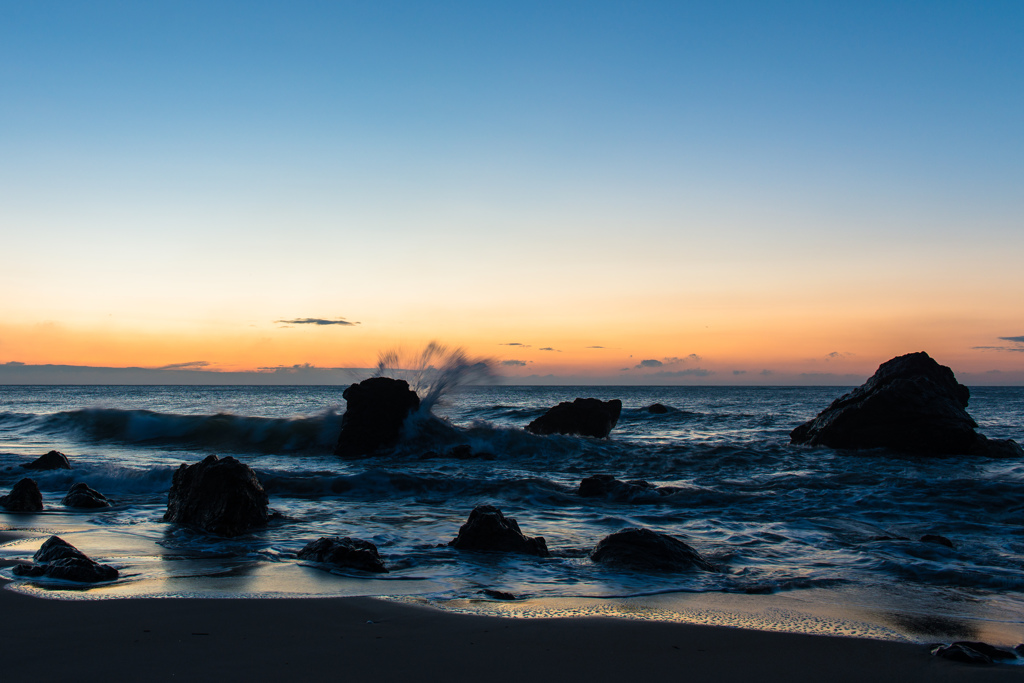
82	496
657	409
607	486
373	419
488	529
54	460
351	553
937	540
222	496
583	417
911	404
58	559
24	497
646	550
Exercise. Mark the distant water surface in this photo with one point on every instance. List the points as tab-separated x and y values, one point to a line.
780	520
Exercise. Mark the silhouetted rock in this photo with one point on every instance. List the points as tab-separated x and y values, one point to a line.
58	559
911	404
607	486
222	496
82	496
646	550
584	417
960	653
24	497
377	409
973	652
991	651
657	409
54	460
498	595
937	540
351	553
488	529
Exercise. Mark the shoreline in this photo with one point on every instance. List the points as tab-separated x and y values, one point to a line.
157	639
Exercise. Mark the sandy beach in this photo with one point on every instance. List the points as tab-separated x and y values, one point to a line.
365	638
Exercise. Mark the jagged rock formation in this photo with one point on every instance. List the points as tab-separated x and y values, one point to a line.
54	460
24	497
488	529
911	404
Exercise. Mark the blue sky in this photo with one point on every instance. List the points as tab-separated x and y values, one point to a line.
241	163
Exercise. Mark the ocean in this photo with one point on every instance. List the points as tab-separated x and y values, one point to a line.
794	530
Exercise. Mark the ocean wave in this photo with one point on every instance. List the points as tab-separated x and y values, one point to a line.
222	431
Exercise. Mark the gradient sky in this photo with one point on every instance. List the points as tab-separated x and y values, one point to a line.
792	187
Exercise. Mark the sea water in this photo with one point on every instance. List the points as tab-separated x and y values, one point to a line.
789	527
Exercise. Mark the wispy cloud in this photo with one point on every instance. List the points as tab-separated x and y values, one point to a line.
548	348
595	347
191	365
513	362
837	355
739	372
519	344
1017	341
316	321
650	363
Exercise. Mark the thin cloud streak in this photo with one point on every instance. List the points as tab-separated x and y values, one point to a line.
316	321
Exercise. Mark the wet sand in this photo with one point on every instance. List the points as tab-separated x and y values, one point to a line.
369	639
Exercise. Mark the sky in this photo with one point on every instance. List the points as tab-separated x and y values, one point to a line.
604	192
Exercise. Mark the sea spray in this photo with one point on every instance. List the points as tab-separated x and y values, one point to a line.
436	371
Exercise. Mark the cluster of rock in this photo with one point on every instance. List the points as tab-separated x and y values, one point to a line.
377	409
58	559
26	497
489	530
632	548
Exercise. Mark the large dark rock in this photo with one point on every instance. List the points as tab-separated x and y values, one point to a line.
24	497
82	496
646	550
488	529
377	409
584	417
54	460
58	559
911	404
222	496
657	409
351	553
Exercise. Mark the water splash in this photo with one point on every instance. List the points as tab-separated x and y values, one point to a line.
435	371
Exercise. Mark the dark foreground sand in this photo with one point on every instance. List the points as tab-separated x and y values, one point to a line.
366	639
